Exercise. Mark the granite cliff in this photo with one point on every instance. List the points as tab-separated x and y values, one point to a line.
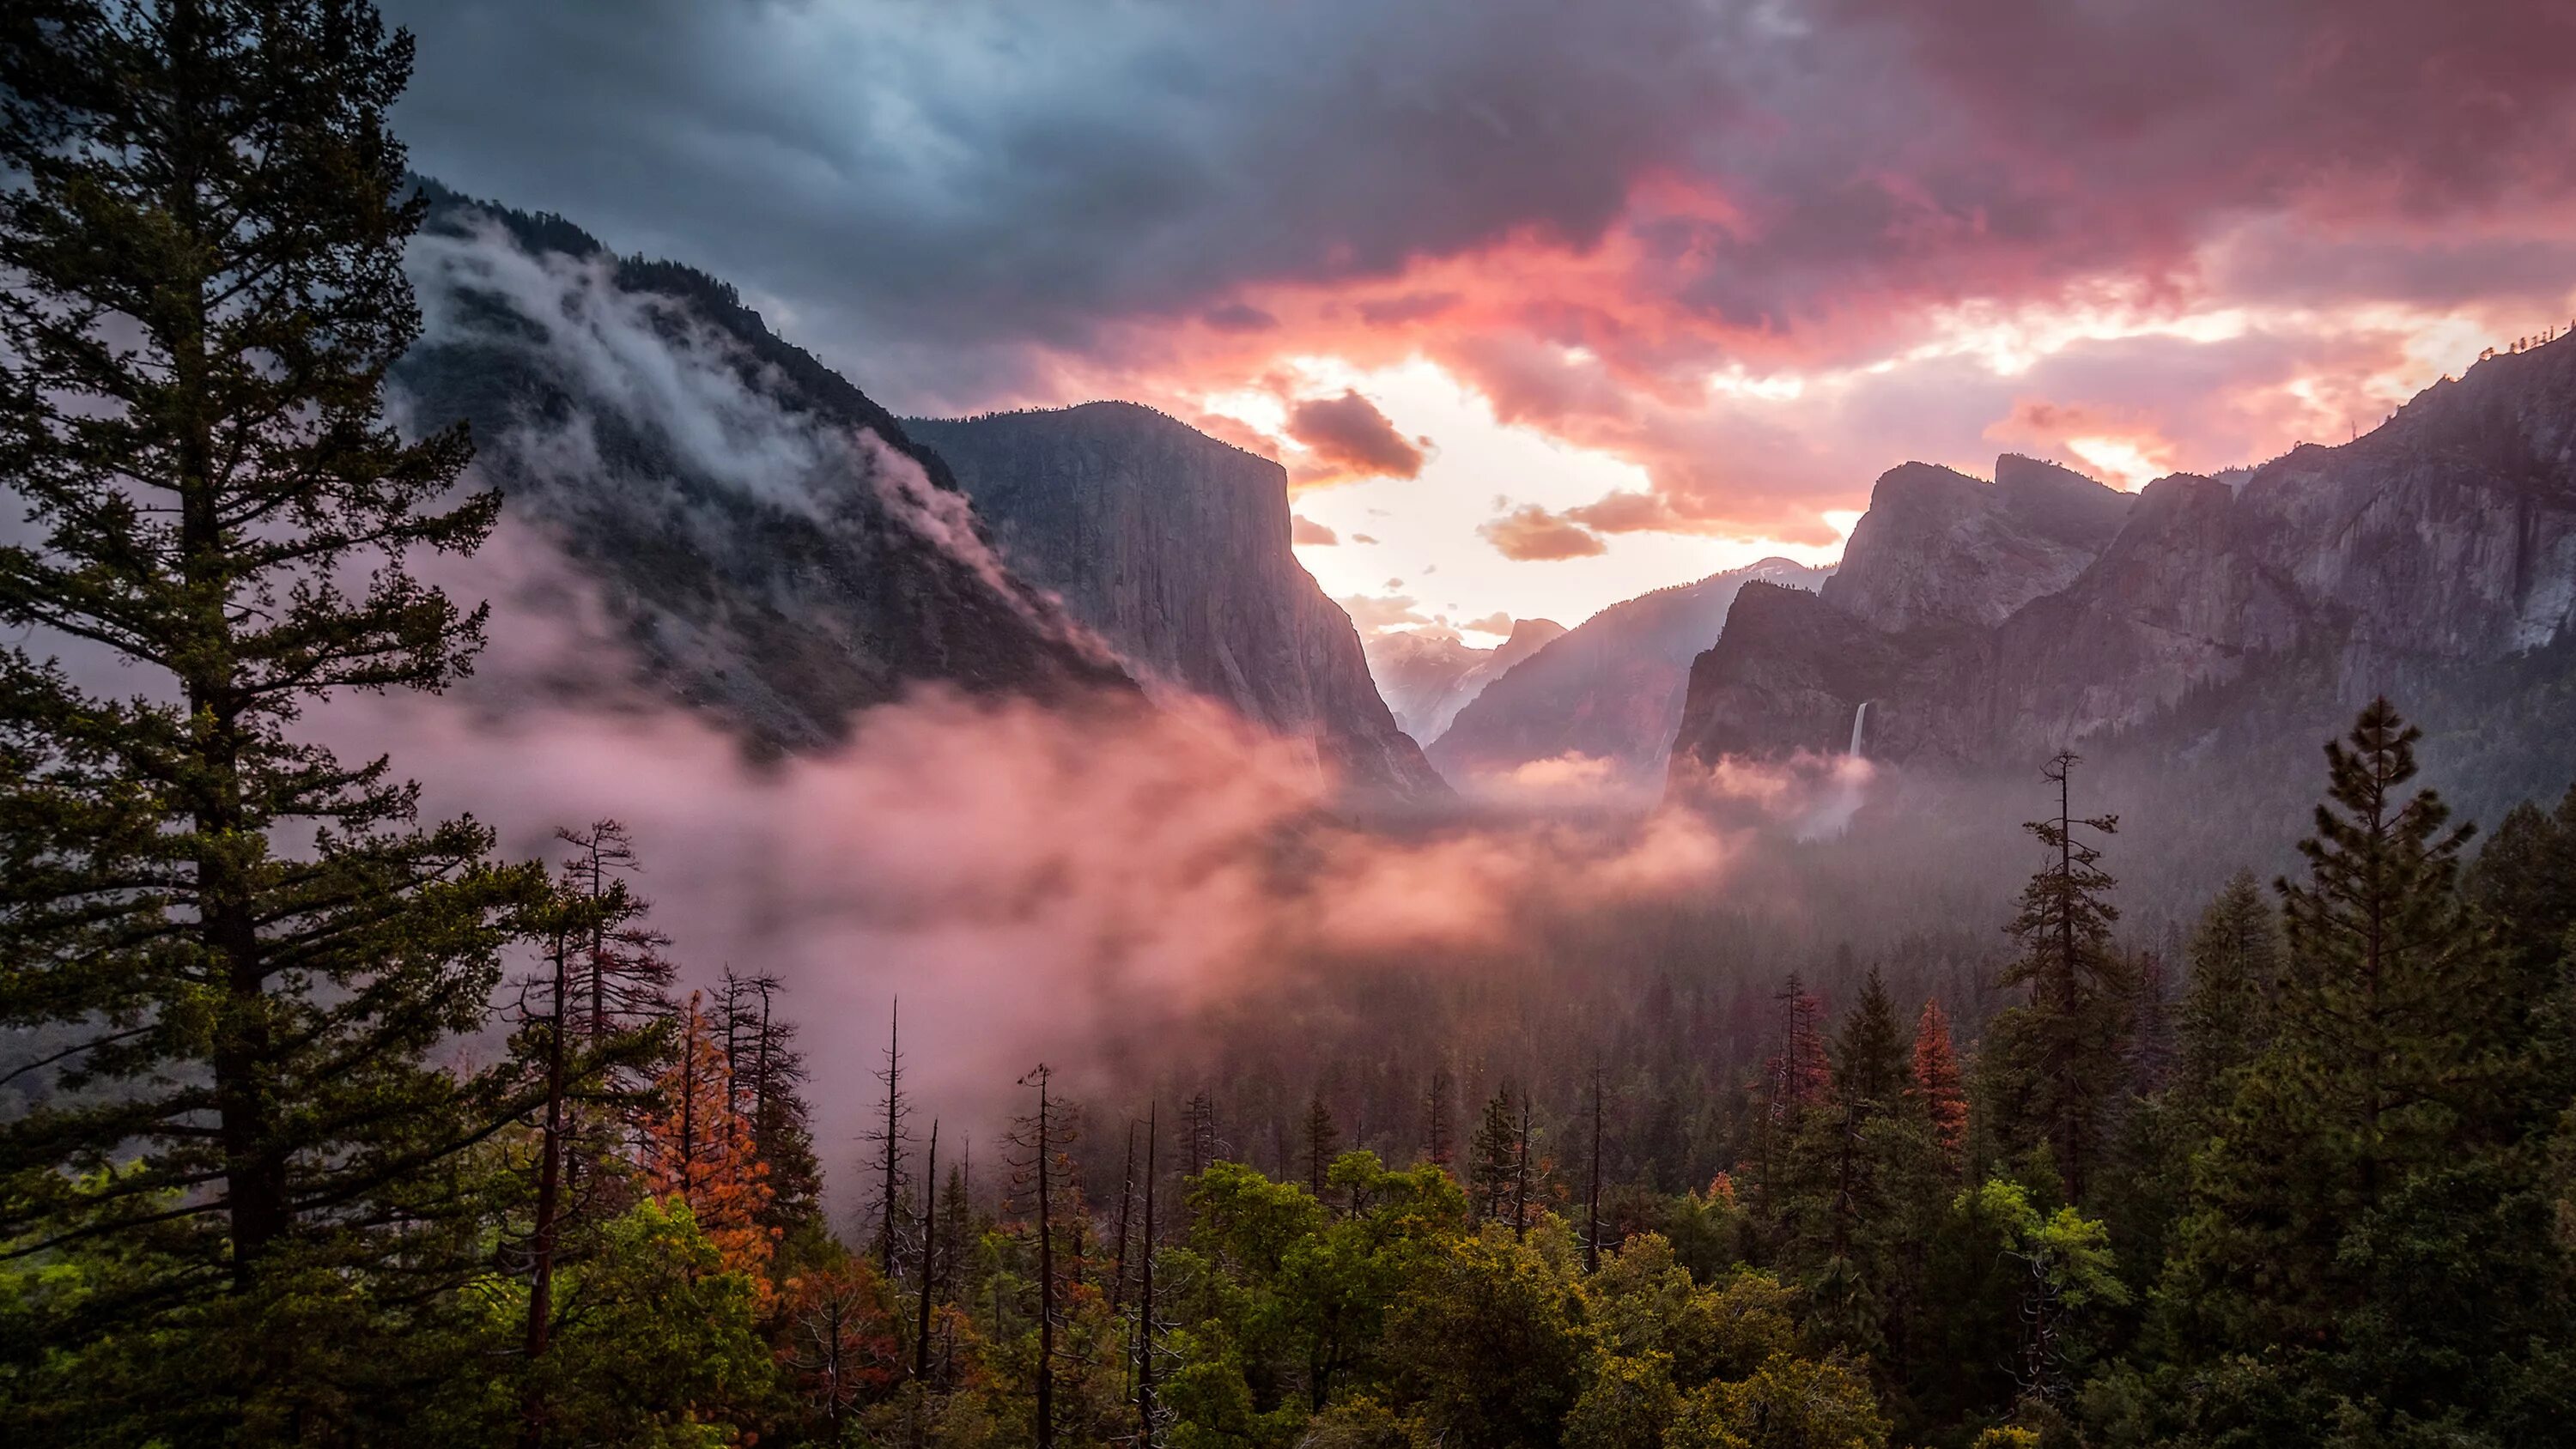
2433	559
1174	547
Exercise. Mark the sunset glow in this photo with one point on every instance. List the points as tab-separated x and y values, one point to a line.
1685	279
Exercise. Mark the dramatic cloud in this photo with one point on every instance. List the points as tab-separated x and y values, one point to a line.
1530	533
1760	249
1350	438
1304	531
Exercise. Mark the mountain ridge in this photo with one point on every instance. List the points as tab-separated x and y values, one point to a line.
769	540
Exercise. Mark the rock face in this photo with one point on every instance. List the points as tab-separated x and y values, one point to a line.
776	547
1427	678
1611	689
1941	548
1174	547
2433	559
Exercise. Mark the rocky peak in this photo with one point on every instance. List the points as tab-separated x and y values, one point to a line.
2434	557
1938	548
1174	546
1428	676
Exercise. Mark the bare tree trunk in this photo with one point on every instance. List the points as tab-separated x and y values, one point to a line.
1126	1202
1521	1175
1046	1279
929	1255
1592	1234
1145	1298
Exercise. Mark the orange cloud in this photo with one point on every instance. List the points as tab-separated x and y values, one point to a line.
1530	533
1350	438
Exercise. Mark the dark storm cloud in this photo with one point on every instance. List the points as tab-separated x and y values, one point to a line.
931	189
970	173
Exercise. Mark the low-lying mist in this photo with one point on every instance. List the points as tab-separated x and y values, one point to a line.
1085	884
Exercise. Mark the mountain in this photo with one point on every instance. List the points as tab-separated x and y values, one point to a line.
1428	677
1939	547
1175	548
2226	622
777	548
1610	689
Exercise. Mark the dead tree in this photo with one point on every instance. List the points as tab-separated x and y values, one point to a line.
1041	1142
1145	1295
889	1139
929	1254
1438	1147
1592	1232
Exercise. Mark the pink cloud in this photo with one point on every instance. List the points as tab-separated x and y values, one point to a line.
1531	533
1350	438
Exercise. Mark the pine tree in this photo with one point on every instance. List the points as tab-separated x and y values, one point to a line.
1869	1056
571	1070
1799	1071
1933	1081
621	990
1323	1143
1794	1079
2056	1059
1522	1161
252	947
1204	1146
1437	1148
2226	1015
2383	1151
1493	1157
2380	998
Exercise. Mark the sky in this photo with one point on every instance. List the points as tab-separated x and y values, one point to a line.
1544	305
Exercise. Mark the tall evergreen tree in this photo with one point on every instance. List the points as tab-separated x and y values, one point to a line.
1323	1142
1493	1158
253	946
2054	1062
2382	1154
2226	1016
572	1070
1439	1142
1932	1085
1869	1052
1204	1146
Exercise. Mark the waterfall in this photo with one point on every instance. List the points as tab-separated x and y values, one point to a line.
1858	716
